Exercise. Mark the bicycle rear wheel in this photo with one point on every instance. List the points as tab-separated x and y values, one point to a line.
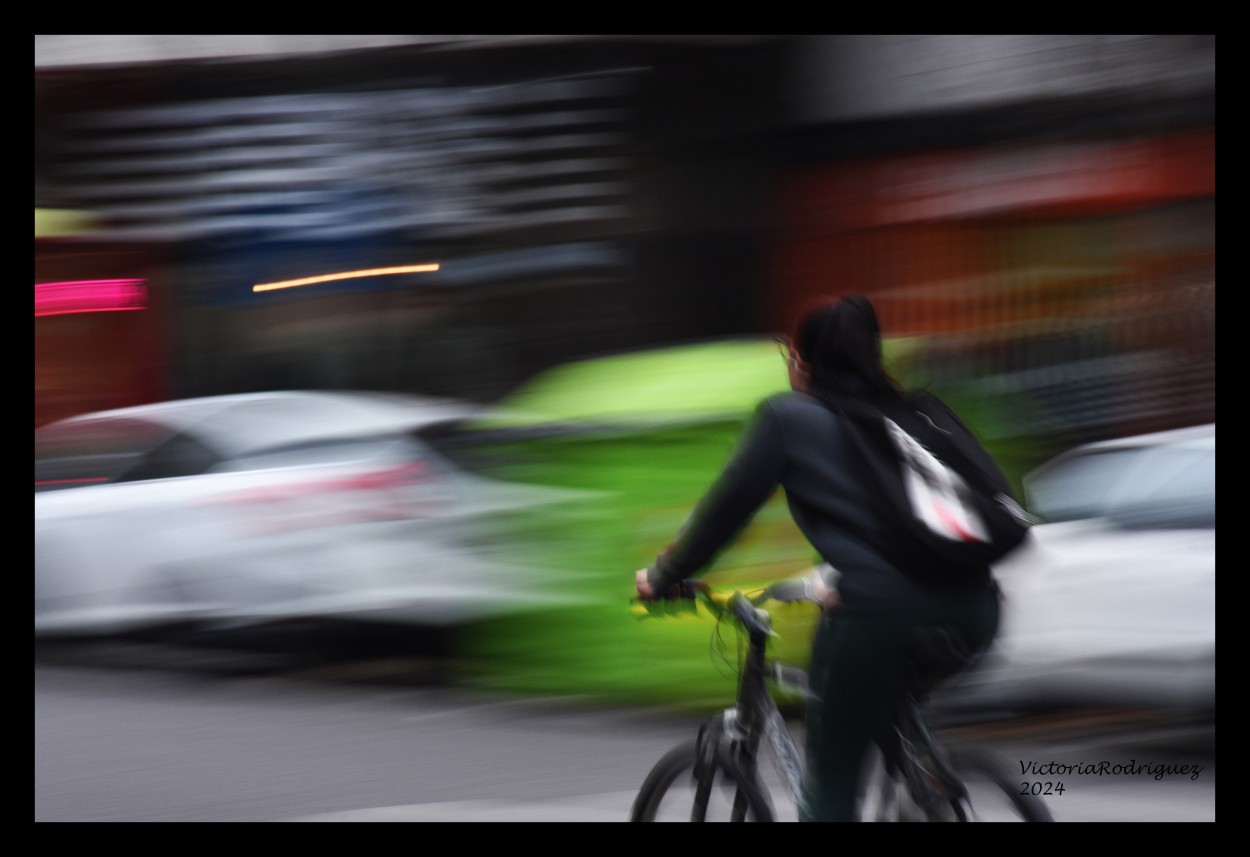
993	793
680	788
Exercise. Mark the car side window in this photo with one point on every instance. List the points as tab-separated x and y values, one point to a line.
1169	488
179	455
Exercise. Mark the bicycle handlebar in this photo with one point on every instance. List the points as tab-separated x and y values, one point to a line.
745	608
790	590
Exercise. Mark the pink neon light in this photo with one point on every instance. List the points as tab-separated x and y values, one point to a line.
89	296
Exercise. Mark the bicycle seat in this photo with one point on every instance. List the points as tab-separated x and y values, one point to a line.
933	655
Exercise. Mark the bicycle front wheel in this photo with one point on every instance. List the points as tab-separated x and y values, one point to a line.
993	793
681	788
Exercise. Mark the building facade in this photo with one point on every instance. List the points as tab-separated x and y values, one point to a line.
1035	212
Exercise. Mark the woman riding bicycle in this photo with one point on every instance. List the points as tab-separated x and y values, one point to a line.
798	441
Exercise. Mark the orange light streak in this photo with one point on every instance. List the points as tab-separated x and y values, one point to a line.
347	275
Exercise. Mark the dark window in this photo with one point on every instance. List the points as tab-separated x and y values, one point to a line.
91	453
180	455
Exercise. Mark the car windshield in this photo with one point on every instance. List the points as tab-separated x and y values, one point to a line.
93	451
97	437
1080	487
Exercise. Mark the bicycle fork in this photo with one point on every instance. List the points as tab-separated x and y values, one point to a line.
723	743
706	760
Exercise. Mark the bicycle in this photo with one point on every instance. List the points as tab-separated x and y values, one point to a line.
717	776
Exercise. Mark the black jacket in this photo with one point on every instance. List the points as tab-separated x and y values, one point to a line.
798	443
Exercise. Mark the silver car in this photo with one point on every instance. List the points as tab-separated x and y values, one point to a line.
1114	601
239	510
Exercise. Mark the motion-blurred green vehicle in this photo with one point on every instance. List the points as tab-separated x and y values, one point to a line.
650	430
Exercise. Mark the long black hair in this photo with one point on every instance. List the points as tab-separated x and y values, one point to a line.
840	341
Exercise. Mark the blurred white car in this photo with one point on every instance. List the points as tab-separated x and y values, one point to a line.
1114	602
239	510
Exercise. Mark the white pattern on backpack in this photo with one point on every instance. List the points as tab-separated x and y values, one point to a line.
939	496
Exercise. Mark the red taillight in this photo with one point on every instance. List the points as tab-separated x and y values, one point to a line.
384	480
376	495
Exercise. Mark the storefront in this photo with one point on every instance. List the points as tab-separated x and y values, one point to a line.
1074	278
100	321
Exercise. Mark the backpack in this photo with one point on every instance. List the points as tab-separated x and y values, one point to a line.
947	509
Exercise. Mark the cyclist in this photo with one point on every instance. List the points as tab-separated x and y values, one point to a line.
858	653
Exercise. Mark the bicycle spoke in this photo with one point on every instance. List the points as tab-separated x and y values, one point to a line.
993	795
674	792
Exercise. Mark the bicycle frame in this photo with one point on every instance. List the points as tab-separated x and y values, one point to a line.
916	768
917	771
919	768
755	716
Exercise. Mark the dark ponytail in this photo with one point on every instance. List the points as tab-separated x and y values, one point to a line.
841	343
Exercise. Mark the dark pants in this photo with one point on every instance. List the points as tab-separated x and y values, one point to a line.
857	677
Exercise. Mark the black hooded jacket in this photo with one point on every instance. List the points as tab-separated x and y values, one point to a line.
796	442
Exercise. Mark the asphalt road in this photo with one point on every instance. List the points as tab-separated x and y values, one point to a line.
177	742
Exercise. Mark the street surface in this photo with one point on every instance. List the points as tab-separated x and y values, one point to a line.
154	744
